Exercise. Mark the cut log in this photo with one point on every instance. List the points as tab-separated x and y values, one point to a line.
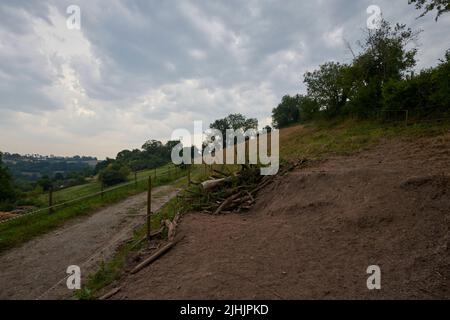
209	185
251	197
155	256
227	202
110	294
170	229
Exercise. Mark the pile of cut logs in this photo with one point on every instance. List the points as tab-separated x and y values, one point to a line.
226	192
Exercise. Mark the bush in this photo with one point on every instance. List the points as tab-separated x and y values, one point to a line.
113	174
423	95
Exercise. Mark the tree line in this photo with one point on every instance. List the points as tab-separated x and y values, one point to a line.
380	79
155	154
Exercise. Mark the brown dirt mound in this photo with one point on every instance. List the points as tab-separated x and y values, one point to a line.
314	232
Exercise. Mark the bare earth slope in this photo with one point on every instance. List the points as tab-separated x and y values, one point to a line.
37	270
314	232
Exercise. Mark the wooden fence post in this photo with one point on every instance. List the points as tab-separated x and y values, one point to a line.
135	180
50	199
102	189
149	207
189	175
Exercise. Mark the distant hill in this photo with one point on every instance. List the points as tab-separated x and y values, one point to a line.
31	167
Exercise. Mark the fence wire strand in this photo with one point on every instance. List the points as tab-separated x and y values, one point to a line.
62	204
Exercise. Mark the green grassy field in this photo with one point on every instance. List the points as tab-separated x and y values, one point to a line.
94	186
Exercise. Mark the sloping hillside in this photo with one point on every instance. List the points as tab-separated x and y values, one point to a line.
314	231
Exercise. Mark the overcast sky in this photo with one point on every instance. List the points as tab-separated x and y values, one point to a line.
137	70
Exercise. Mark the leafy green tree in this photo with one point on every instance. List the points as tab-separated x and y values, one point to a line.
152	146
287	112
424	95
113	174
329	87
309	109
441	6
101	165
385	57
234	121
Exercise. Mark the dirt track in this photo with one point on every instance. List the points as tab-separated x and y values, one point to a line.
37	270
314	232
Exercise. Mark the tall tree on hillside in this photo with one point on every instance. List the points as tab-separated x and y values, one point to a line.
328	86
234	121
287	112
441	6
386	55
152	146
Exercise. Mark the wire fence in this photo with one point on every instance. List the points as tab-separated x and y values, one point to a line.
171	172
408	117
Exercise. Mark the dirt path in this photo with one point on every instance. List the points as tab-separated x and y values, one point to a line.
314	232
37	270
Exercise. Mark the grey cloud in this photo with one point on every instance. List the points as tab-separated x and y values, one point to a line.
243	56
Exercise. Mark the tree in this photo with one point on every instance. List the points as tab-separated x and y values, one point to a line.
385	57
309	109
328	87
152	146
425	94
287	112
441	6
384	52
7	192
234	121
102	165
113	174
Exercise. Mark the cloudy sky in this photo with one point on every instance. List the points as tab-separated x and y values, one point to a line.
138	69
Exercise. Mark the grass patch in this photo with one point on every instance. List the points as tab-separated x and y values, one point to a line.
321	139
93	186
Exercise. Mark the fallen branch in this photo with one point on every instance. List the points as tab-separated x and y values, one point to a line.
209	185
155	256
110	294
227	202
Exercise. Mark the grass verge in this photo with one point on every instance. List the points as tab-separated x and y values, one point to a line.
321	139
